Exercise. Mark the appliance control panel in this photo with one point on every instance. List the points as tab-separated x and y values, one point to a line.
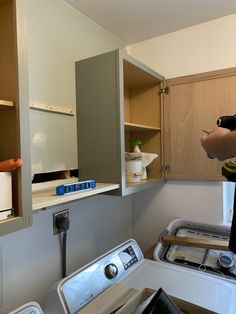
78	289
128	257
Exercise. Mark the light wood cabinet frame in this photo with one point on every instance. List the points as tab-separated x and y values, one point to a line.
14	122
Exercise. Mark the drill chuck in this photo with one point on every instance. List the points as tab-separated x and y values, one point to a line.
227	122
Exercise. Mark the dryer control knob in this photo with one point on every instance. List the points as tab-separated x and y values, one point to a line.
111	271
225	262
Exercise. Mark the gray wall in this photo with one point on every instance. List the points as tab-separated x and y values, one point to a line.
31	257
154	209
58	36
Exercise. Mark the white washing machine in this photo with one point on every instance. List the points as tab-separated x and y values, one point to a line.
211	262
28	308
109	283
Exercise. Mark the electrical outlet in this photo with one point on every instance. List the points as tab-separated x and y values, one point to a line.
58	218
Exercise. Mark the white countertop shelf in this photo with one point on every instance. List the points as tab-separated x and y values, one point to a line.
43	194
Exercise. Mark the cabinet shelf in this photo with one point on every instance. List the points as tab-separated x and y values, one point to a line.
5	104
140	127
43	194
10	224
140	186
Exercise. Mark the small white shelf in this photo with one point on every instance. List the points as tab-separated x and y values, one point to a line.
137	127
52	108
43	194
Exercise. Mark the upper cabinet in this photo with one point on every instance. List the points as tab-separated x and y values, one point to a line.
14	110
118	99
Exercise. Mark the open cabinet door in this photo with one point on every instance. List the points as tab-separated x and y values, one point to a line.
194	103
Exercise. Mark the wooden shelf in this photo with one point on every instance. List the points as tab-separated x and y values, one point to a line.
5	104
43	194
52	108
140	127
140	186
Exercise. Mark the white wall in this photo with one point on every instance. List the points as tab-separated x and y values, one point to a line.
204	47
201	48
58	36
153	210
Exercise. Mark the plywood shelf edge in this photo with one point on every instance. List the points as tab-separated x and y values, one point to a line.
141	186
6	103
52	108
135	126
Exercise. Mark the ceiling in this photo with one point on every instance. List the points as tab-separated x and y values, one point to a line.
138	20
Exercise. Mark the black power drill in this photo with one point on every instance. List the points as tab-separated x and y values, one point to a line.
229	168
227	122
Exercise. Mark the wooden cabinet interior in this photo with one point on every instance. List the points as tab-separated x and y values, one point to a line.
8	87
8	64
141	97
151	143
14	119
142	114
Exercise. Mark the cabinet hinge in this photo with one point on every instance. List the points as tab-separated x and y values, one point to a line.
165	168
165	90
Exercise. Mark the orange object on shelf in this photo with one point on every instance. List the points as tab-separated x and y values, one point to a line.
10	164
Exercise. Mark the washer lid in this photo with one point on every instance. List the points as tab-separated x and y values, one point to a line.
212	293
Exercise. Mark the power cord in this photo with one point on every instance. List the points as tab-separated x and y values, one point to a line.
62	223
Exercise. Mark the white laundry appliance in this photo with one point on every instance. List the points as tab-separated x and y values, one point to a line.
113	281
28	308
209	261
